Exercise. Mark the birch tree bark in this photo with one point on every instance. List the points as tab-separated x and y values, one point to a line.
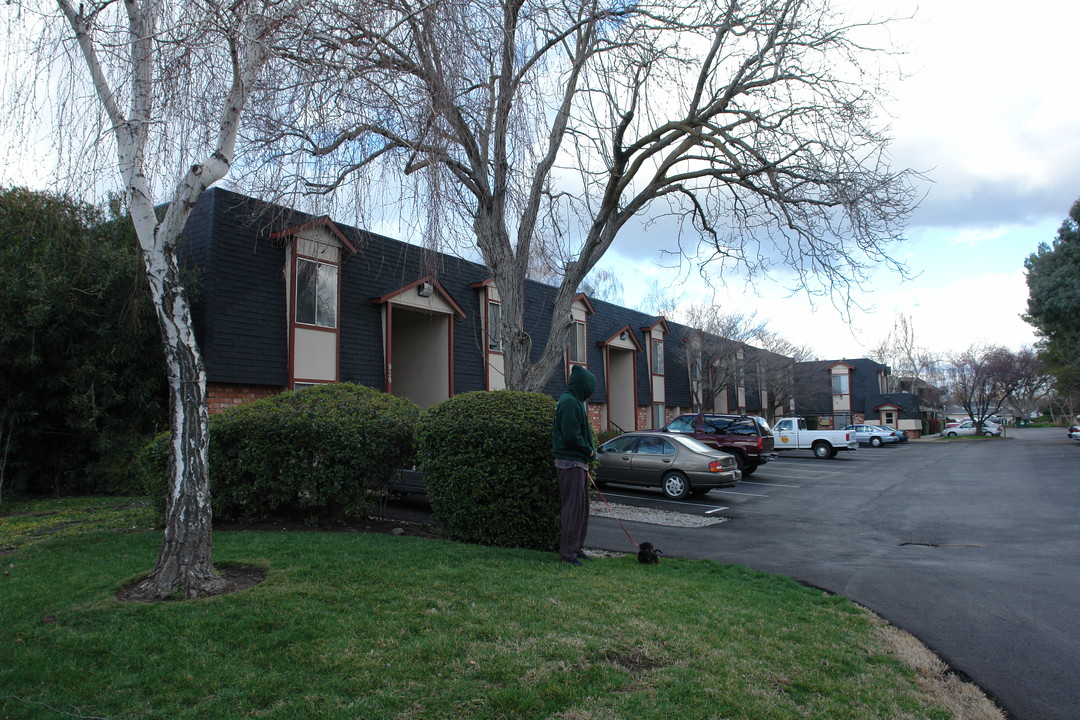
154	64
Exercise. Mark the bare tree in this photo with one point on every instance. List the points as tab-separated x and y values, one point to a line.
546	127
983	379
168	81
776	360
717	349
1033	381
914	368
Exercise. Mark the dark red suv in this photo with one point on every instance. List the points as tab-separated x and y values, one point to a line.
748	438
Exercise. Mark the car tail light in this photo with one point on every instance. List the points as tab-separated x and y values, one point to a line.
717	466
760	443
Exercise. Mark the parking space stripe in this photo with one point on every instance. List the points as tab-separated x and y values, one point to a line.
729	492
751	482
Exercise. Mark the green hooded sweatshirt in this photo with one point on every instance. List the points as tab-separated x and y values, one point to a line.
571	437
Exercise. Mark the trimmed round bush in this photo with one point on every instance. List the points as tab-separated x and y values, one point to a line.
317	453
489	471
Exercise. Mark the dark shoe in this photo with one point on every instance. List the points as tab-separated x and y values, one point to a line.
583	556
575	561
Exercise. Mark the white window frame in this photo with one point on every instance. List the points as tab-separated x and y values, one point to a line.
577	352
494	316
325	289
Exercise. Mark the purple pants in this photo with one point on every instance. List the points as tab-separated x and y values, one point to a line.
573	510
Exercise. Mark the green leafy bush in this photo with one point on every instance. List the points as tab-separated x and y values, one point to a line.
490	476
318	452
82	378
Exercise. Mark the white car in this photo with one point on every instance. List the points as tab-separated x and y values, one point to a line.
1074	432
967	427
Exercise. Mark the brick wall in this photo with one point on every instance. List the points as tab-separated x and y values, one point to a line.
222	397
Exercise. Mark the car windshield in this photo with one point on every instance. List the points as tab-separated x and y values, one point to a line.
695	445
764	425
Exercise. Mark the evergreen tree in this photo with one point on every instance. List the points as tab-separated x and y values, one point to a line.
82	381
1053	279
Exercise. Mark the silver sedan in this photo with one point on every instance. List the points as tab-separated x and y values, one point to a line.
874	435
676	464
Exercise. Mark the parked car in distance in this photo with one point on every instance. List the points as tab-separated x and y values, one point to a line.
677	464
873	435
1074	432
967	427
746	437
902	434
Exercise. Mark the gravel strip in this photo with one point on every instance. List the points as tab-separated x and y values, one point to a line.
652	516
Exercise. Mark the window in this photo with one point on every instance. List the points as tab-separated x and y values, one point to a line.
316	293
577	343
840	384
494	318
657	356
655	446
658	415
620	444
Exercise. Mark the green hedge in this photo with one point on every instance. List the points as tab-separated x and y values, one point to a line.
318	453
489	471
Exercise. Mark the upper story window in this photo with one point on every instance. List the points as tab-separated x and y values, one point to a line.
316	293
657	356
840	385
577	343
494	320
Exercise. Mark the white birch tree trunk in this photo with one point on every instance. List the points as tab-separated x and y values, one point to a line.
184	565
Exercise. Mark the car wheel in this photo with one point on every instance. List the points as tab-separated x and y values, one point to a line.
822	450
987	433
675	486
952	434
749	469
875	442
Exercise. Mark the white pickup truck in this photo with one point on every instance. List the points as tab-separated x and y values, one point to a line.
792	434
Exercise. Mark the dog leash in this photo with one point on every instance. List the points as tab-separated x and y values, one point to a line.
611	509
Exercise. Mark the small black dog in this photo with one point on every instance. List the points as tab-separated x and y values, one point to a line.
648	555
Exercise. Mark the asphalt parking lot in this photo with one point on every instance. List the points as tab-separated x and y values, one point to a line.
970	545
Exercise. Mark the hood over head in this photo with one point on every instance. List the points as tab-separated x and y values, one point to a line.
581	383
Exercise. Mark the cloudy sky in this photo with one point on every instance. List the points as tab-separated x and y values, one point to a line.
989	114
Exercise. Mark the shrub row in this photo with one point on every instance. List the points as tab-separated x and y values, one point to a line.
319	453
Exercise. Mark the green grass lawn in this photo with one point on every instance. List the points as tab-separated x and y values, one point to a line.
354	625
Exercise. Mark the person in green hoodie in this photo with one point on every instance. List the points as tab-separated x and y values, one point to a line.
573	448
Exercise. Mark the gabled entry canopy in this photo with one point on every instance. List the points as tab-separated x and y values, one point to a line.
424	294
418	341
624	337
